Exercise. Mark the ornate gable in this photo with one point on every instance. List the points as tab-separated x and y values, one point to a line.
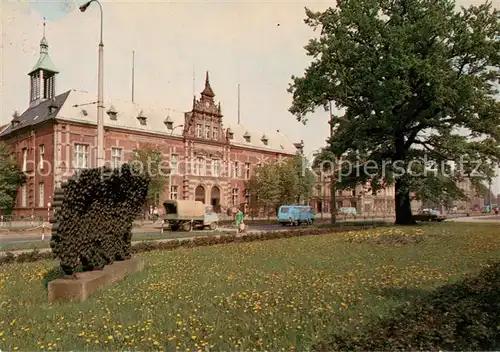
204	121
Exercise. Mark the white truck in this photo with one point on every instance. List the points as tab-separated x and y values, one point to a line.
189	214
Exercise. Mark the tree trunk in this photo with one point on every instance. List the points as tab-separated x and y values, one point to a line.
333	200
403	203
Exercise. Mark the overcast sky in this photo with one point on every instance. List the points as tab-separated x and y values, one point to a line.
258	45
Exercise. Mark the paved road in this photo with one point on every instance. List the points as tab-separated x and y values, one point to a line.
150	231
136	235
154	232
476	219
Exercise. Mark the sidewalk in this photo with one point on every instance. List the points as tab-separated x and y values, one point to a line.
162	240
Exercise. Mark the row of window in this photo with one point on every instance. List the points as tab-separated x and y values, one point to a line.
212	133
41	157
41	195
81	161
174	194
235	195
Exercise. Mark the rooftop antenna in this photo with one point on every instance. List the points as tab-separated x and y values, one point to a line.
194	82
133	74
239	104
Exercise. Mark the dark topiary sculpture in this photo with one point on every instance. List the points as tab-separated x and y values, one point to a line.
93	215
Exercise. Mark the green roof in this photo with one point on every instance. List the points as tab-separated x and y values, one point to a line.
44	63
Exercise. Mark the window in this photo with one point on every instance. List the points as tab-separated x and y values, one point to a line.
41	195
41	158
247	196
236	169
156	198
216	167
198	131
24	195
174	164
319	190
339	192
81	160
207	132
25	159
200	167
174	192
247	171
203	167
116	157
235	196
215	133
353	192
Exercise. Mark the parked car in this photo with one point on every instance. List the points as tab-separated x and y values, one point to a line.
429	215
189	214
295	215
347	211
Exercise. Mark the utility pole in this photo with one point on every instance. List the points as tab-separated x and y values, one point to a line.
133	74
239	120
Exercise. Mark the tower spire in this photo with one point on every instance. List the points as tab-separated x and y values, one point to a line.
42	75
44	45
208	91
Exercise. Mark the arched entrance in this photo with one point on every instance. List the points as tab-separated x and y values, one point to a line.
199	194
215	198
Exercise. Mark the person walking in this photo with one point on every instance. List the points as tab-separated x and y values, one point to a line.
239	220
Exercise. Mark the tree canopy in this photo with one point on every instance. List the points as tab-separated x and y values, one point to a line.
417	84
287	181
11	178
150	160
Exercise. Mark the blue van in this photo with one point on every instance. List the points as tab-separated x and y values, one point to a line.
295	215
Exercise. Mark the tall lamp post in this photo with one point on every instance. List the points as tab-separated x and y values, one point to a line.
100	93
170	172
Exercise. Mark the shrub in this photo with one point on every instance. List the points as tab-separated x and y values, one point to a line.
461	316
93	217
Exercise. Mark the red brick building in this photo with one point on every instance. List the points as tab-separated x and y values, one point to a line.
57	135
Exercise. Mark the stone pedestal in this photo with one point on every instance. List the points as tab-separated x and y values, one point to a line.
80	287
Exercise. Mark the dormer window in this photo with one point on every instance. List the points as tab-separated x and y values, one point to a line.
15	118
264	139
52	107
112	113
169	123
230	133
142	119
247	137
84	112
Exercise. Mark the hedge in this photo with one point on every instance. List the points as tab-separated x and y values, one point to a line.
36	255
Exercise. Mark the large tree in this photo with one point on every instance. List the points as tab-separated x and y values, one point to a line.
287	181
417	83
149	159
11	178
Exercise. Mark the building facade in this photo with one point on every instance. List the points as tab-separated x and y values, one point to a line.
57	135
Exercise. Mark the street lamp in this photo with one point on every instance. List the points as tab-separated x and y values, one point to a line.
100	93
170	173
173	129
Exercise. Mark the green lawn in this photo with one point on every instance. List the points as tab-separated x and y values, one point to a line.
272	295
